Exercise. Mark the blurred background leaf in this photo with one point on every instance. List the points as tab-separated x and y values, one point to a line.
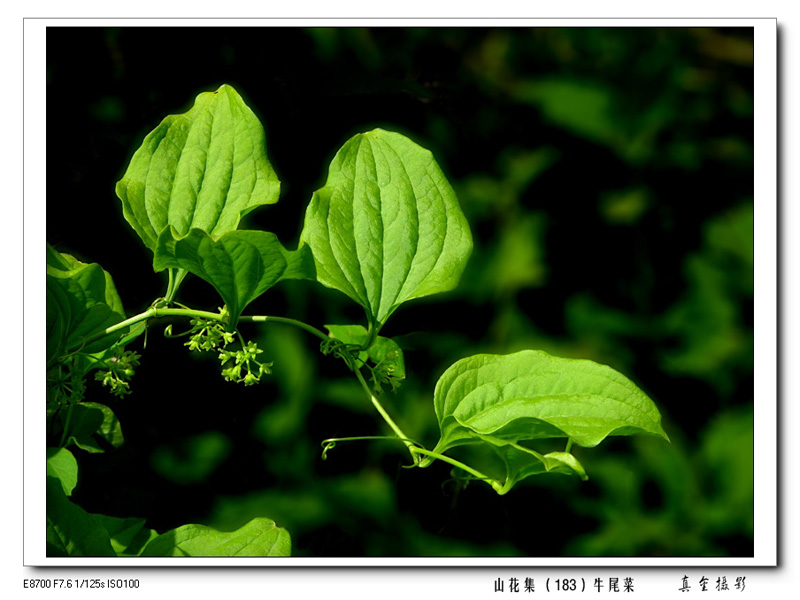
607	174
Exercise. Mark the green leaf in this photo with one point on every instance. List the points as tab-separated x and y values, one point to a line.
81	301
203	169
532	395
71	531
387	226
241	265
521	462
110	429
492	403
260	537
57	314
128	536
509	463
90	421
383	351
62	465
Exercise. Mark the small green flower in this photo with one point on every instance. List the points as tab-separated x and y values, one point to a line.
243	367
208	335
119	373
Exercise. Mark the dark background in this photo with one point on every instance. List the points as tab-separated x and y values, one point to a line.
607	174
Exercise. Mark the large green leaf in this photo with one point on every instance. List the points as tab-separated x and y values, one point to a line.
387	226
492	403
81	301
71	531
532	395
241	265
203	169
259	537
63	466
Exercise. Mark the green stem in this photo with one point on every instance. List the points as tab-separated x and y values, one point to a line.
175	278
170	293
569	445
372	333
66	425
496	485
155	312
151	314
399	432
305	326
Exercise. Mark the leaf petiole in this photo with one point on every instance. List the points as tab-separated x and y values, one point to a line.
372	333
496	485
176	276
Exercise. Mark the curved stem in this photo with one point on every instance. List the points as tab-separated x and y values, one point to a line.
372	333
305	326
399	432
496	485
155	312
151	314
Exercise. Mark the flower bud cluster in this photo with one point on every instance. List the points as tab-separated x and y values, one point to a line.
239	366
120	370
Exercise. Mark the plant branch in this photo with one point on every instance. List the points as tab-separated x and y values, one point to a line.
399	432
151	313
267	319
155	312
496	485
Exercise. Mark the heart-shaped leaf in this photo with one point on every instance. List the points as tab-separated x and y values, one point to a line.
387	226
533	395
241	264
260	537
81	301
203	169
496	402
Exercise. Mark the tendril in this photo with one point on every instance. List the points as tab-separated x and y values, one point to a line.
330	443
169	335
